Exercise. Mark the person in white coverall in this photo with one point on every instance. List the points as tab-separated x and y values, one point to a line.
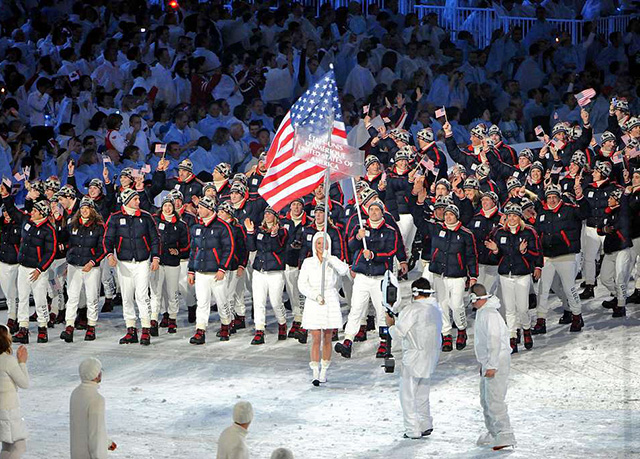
419	327
493	352
232	443
88	428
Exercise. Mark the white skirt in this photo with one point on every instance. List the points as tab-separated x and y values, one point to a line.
322	316
12	426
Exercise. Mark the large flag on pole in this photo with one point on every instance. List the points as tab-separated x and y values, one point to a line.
289	176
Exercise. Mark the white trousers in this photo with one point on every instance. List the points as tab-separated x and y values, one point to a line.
39	290
450	295
56	284
77	282
414	399
425	271
164	287
488	276
566	272
407	231
492	399
235	292
9	286
187	291
268	284
208	287
365	288
636	248
515	297
615	273
108	279
591	250
291	283
133	277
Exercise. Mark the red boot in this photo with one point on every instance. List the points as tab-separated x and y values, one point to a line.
282	332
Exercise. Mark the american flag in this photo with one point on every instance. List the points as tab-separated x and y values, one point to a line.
289	177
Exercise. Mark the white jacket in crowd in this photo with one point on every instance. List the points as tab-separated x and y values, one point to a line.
12	376
491	340
231	444
89	438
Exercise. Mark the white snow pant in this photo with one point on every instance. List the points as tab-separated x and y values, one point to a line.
591	250
187	291
636	248
450	295
267	284
39	290
291	274
488	276
426	274
13	450
407	231
77	281
164	286
566	271
9	286
133	277
615	274
365	288
107	279
56	284
414	399
492	399
515	297
235	292
206	287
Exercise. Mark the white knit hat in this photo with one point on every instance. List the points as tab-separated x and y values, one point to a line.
90	369
242	413
282	453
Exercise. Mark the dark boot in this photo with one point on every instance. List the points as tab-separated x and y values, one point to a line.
172	327
12	325
145	337
576	323
191	314
239	323
282	332
43	335
619	312
382	350
52	320
33	317
62	316
90	335
164	323
610	304
295	328
540	328
131	336
22	336
566	318
461	340
108	305
153	331
67	334
224	332
258	338
514	345
635	297
334	336
447	343
198	338
361	335
371	323
528	340
81	319
344	348
587	293
303	336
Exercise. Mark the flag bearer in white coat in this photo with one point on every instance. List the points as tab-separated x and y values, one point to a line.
419	327
493	352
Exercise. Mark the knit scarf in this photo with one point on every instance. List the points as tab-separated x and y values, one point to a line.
296	220
128	210
489	213
451	227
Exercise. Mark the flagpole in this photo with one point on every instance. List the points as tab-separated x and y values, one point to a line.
327	192
355	193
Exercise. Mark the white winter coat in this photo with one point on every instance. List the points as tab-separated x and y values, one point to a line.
315	315
419	326
12	376
491	339
231	444
88	427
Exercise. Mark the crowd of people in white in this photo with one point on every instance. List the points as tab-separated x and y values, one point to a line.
133	144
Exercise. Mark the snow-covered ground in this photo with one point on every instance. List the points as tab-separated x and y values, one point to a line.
573	395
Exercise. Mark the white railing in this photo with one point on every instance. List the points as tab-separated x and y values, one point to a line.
482	22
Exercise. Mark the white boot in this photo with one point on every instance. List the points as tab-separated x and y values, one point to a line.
323	370
316	372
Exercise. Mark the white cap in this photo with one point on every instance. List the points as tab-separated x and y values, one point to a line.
282	453
90	369
242	413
